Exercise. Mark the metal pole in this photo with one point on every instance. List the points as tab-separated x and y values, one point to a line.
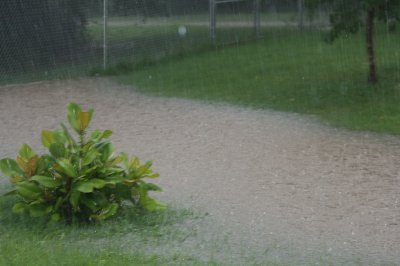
300	7
256	11
105	22
213	20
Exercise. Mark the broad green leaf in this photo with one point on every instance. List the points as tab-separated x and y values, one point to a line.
90	156
28	190
106	134
9	167
95	135
83	120
114	180
153	175
112	171
47	181
19	207
9	193
84	187
26	152
32	163
16	179
130	182
87	186
74	199
57	150
22	163
150	187
90	111
116	160
55	217
151	204
106	151
134	163
90	203
72	114
37	210
98	183
125	160
71	141
59	137
44	164
90	170
48	138
111	210
66	167
28	166
139	171
106	212
59	201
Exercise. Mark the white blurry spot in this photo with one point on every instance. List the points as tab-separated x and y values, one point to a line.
182	31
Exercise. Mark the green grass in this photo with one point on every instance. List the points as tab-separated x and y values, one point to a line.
135	238
290	71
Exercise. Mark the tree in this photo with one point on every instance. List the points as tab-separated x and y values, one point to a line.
348	16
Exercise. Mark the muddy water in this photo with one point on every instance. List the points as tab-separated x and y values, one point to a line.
281	185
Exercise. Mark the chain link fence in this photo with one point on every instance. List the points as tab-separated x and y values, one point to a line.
45	39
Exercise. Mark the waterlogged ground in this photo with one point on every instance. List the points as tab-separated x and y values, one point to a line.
268	186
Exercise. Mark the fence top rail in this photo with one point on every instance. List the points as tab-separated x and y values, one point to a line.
227	1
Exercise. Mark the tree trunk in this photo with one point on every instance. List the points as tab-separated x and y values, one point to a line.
372	76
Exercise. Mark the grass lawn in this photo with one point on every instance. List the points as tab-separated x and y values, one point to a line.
290	71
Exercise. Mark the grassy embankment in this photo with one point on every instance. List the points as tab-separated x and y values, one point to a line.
290	71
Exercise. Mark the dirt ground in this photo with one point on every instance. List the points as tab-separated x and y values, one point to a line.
279	181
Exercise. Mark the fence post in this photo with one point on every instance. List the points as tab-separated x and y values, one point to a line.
105	27
300	10
213	20
256	11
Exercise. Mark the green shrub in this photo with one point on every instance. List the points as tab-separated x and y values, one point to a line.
79	180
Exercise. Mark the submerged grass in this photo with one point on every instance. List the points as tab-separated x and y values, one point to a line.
24	241
290	71
135	238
